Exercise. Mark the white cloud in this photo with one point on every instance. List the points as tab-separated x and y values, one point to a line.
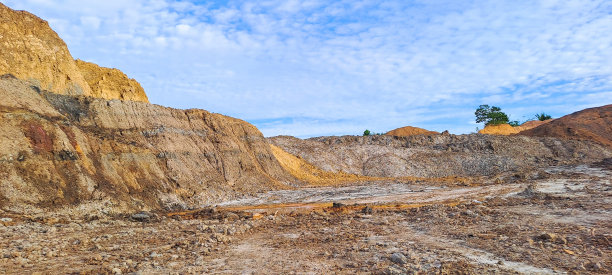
349	65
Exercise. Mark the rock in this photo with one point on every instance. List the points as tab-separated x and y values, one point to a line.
5	221
26	38
154	254
117	271
551	237
398	258
142	216
394	270
111	83
594	266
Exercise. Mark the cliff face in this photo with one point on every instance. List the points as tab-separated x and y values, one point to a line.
111	83
31	50
58	150
63	143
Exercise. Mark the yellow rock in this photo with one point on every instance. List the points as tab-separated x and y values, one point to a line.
111	83
32	51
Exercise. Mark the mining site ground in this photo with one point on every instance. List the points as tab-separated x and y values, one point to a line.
558	223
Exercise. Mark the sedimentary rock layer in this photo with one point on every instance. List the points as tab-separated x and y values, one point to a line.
439	155
58	150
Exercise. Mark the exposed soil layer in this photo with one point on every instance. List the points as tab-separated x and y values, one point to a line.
507	129
409	131
94	155
442	155
561	222
594	124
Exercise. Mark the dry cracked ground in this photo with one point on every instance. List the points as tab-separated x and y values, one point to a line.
560	222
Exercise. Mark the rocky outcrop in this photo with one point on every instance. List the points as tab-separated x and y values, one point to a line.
111	83
594	124
439	155
31	50
409	131
59	150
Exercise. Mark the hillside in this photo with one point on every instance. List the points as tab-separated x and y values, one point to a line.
594	124
65	139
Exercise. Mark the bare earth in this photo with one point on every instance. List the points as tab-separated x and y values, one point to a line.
559	223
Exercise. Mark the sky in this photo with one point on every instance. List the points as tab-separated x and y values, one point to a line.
312	68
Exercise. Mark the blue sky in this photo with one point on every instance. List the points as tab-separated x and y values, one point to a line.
311	68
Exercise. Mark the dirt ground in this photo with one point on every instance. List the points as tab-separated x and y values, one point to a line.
559	223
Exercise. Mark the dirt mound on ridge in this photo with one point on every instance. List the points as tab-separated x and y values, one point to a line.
410	131
500	129
593	124
507	129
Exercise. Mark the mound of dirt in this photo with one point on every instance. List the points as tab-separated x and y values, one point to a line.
304	171
506	129
501	129
410	131
594	124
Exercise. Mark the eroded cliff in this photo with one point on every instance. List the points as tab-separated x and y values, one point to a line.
111	83
32	51
58	150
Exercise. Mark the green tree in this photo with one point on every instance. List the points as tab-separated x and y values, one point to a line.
543	116
490	115
514	123
366	132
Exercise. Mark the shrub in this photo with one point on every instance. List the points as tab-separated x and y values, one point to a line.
543	116
366	132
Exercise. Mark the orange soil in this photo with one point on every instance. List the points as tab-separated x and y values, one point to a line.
409	131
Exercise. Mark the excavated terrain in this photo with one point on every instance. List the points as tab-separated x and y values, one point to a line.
440	155
85	154
95	180
594	124
560	222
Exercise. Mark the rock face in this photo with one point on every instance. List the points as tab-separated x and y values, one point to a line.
31	50
594	124
438	155
58	150
409	131
60	145
111	83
